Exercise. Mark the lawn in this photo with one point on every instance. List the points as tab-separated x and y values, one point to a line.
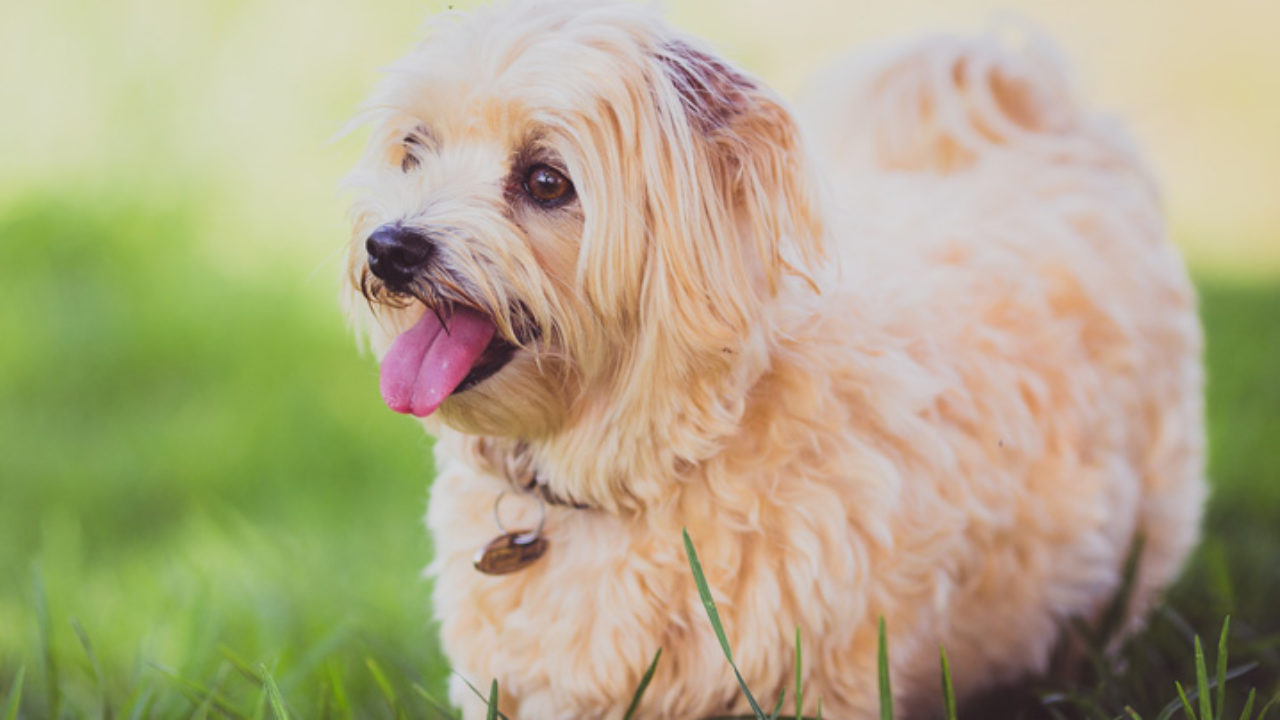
199	478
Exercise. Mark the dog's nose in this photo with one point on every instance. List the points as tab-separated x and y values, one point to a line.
396	253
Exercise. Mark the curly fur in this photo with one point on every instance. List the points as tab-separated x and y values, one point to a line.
961	430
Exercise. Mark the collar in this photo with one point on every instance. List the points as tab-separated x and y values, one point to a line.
512	460
537	485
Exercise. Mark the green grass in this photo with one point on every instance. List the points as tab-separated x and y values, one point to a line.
205	511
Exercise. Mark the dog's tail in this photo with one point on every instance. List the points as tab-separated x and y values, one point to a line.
947	103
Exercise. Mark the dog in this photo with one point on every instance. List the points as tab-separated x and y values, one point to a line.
932	360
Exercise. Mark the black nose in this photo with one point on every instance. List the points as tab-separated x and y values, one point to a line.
397	253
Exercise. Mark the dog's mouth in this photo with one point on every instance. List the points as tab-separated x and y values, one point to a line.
440	356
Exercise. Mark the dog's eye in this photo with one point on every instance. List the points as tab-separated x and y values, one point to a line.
548	186
410	146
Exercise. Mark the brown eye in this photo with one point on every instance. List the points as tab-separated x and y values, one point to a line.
409	146
548	186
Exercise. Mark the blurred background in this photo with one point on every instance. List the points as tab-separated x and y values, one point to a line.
196	471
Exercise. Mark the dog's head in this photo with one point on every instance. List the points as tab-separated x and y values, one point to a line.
570	227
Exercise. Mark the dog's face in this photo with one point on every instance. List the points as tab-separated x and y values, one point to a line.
597	213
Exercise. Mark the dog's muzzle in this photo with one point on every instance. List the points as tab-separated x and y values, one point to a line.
397	254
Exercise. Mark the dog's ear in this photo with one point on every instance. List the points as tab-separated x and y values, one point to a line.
697	203
752	143
726	210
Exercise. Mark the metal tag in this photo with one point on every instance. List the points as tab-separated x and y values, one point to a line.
508	553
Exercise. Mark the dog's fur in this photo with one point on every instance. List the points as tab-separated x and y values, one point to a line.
962	432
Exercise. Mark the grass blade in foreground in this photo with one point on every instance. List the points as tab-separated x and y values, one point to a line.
799	688
1247	713
1186	704
1202	683
1222	668
778	708
15	694
882	661
273	694
442	709
1262	714
704	591
492	707
241	666
139	706
52	686
493	700
104	711
948	692
341	701
384	686
196	693
644	685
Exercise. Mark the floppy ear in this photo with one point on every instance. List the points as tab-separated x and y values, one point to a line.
728	211
697	203
751	143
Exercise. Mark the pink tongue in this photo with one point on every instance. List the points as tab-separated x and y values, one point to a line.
427	363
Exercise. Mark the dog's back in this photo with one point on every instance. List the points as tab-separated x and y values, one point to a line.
1015	242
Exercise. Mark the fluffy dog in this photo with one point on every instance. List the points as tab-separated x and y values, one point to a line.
597	260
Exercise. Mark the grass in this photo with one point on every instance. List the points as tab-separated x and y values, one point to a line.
206	512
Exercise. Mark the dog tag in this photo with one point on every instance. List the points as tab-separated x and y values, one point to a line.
508	553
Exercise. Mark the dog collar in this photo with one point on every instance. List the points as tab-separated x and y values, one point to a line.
549	496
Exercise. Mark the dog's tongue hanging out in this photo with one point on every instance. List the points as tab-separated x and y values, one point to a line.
428	361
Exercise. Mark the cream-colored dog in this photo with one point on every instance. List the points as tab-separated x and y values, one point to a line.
600	259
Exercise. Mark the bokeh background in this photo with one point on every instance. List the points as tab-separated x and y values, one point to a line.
196	472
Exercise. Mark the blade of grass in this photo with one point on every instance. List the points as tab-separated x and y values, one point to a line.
439	707
1186	704
316	654
260	705
1247	712
1202	683
1232	674
242	667
644	685
1133	714
104	707
1262	714
778	708
140	705
202	712
1222	668
278	709
15	694
478	693
340	699
196	692
384	685
324	703
799	687
948	691
704	591
493	700
819	707
882	663
53	688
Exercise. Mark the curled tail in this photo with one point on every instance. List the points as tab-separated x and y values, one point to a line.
944	103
